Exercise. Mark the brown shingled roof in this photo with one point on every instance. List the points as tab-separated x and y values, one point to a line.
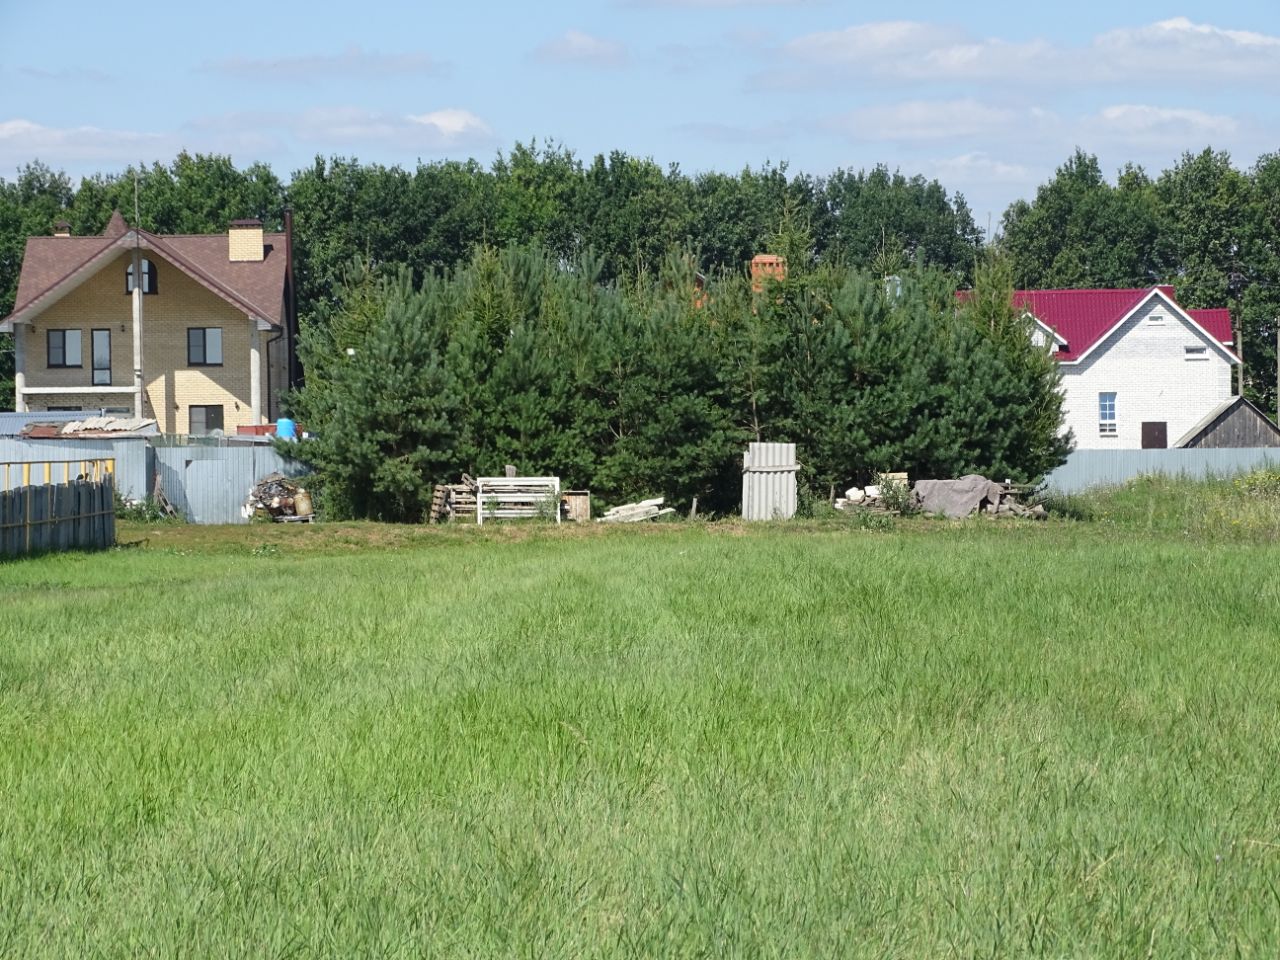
116	227
257	288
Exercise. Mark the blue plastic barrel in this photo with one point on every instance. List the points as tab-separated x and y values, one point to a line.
286	429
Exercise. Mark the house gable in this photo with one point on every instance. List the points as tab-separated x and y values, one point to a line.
1156	303
50	271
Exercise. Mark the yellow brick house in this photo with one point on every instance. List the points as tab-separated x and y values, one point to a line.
194	331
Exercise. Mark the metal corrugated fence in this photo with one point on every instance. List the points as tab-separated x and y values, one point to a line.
769	481
210	484
132	459
207	484
1094	468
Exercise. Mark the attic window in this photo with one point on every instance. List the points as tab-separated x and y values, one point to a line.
148	278
1197	353
1156	319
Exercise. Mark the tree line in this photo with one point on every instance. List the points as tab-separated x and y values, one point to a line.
651	385
1205	225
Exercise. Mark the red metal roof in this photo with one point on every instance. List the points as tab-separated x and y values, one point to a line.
1083	317
1217	320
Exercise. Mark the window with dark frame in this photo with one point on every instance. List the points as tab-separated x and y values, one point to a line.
62	348
149	284
204	420
204	346
102	358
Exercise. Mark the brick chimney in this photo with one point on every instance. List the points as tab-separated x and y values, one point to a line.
62	229
244	241
767	265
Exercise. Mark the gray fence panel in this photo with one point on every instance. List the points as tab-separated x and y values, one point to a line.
132	457
769	481
1095	468
68	516
209	484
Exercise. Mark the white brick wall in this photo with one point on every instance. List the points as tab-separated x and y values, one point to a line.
1145	365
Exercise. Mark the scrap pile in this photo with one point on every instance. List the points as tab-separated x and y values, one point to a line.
871	496
278	498
454	501
635	512
949	498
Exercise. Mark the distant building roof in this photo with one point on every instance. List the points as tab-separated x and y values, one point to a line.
256	287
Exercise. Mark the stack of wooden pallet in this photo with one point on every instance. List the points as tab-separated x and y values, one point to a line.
454	502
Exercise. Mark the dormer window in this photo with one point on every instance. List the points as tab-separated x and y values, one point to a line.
148	278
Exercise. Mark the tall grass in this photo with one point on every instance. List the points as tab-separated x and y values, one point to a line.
1243	509
973	740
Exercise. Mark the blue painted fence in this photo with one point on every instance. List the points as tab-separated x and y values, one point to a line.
1095	468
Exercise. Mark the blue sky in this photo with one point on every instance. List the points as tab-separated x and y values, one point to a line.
988	99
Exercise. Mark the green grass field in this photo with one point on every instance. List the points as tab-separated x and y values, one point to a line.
971	739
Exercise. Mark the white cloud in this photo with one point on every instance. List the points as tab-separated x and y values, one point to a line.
1171	127
454	126
925	120
22	141
354	126
979	167
574	46
1179	48
1174	53
353	61
912	50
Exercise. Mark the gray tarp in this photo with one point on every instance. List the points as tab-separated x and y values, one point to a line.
957	498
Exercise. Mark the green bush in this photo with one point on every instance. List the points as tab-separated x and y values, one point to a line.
897	496
141	511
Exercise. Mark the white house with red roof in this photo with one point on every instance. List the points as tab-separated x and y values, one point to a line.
1138	370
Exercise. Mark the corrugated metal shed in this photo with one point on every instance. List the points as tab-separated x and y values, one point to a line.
769	481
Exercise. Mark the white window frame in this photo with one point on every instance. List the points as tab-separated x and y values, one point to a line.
1196	353
1156	319
1107	425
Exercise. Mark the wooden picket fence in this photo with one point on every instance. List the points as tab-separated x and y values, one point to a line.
79	515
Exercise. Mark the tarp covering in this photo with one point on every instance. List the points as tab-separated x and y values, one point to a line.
957	498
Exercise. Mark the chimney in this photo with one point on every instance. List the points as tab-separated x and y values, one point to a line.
62	229
768	265
244	241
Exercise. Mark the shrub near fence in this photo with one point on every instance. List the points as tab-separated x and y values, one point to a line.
63	516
